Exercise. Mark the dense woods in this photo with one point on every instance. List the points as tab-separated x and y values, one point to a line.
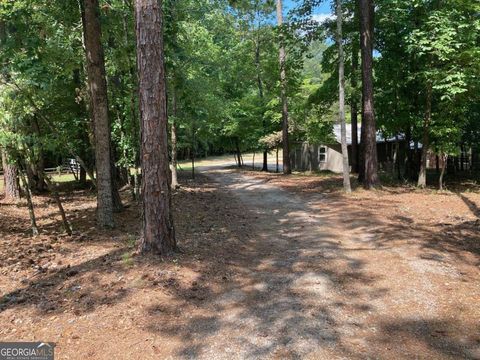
218	77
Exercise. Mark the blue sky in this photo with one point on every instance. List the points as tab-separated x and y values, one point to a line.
322	11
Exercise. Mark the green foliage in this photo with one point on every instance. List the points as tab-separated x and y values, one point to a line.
223	75
432	47
41	101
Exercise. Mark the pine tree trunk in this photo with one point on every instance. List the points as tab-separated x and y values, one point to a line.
39	165
98	94
173	129
158	230
239	153
193	150
354	109
265	161
410	155
10	180
396	163
369	137
462	158
193	164
31	210
261	96
444	167
116	198
283	94
136	183
119	174
422	175
341	100
277	168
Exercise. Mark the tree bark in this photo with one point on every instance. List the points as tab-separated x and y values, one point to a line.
136	183
193	152
192	159
39	164
173	129
10	180
30	175
261	96
462	158
158	230
115	176
277	167
31	210
444	167
83	176
98	93
54	192
39	170
88	170
354	108
396	163
341	99
422	174
410	155
369	136
283	93
239	153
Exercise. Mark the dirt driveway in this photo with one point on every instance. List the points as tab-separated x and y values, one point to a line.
264	273
316	283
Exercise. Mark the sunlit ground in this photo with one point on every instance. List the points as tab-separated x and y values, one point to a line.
186	165
229	159
57	178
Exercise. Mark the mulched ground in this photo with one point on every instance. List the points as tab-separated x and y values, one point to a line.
93	296
92	285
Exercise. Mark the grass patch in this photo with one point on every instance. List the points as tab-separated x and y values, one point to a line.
127	259
63	178
131	241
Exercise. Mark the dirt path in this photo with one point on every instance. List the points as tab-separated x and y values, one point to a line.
317	283
265	273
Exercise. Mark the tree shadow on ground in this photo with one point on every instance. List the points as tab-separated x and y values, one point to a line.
59	290
446	242
471	205
49	283
439	336
259	287
267	290
271	280
454	239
